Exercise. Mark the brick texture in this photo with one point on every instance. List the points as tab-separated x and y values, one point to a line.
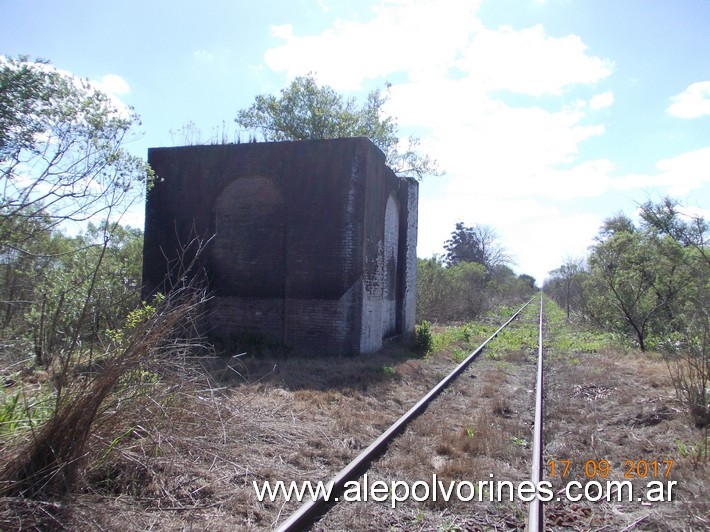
312	244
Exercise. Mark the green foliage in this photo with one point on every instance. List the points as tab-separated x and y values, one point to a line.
423	338
464	292
651	285
635	277
389	371
83	293
472	279
459	354
565	286
563	338
519	442
21	412
61	151
449	294
134	319
520	337
478	244
305	110
62	161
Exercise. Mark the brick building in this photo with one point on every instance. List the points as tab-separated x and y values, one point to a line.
313	243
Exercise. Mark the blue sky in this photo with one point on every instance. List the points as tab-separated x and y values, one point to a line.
548	116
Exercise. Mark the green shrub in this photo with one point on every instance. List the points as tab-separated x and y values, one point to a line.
423	338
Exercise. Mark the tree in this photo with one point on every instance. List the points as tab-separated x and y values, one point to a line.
688	347
456	293
635	277
478	244
565	285
62	155
62	160
527	281
305	110
620	223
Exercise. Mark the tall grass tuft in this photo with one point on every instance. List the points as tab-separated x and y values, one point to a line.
46	462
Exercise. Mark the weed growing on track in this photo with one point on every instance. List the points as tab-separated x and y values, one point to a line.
564	339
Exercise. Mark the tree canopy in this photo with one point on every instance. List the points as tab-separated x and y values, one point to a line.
305	110
478	244
651	283
63	159
62	155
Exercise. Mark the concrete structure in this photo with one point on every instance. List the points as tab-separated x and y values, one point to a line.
313	243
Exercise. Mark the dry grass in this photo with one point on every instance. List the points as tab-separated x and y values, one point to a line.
186	455
47	462
623	408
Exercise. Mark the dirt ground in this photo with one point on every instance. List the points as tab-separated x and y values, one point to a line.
189	460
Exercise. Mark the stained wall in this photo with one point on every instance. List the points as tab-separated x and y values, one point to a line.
311	244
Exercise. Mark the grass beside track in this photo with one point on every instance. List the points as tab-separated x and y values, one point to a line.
188	457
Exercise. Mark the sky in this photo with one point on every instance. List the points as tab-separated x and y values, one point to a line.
547	116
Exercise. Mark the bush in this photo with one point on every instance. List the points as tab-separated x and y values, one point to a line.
423	339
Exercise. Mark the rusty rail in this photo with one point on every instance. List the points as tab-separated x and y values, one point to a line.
313	509
536	516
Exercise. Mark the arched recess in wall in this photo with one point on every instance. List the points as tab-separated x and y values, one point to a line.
391	260
248	253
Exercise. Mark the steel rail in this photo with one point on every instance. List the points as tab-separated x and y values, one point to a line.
536	515
313	509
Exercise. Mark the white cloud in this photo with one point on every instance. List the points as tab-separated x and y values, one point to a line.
602	101
516	152
113	84
504	160
412	36
473	134
530	62
693	102
678	175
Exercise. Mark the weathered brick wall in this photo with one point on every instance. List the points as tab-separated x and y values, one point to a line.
299	251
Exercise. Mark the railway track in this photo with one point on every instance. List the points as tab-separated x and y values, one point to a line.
316	508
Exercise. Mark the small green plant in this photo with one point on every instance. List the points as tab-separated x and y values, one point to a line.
18	412
697	453
389	371
420	516
10	416
135	318
423	338
114	443
470	431
459	355
519	442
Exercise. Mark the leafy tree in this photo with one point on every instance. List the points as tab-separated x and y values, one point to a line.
86	291
527	280
620	223
62	160
62	155
688	347
652	283
689	231
305	110
565	286
464	291
633	280
452	293
478	244
636	277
